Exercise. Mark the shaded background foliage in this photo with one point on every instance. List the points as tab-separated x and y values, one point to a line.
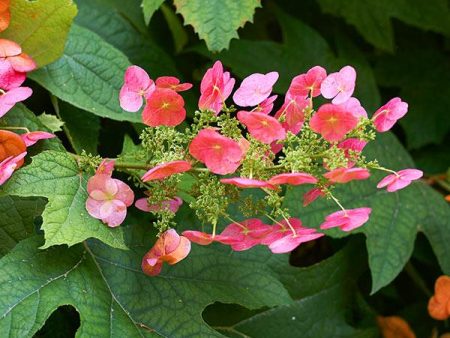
399	48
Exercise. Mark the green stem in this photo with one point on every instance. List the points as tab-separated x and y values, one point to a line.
16	128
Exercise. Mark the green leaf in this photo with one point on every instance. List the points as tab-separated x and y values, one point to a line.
218	21
56	176
40	27
372	18
149	7
179	34
17	221
51	122
89	75
396	217
115	299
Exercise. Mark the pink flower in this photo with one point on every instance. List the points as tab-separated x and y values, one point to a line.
386	116
354	106
220	154
255	89
171	205
243	182
202	238
12	52
170	248
293	179
333	122
171	82
347	220
165	107
311	195
167	169
340	85
108	198
10	98
246	234
215	88
352	145
344	175
266	106
262	127
8	165
9	78
34	136
400	180
292	112
137	85
304	84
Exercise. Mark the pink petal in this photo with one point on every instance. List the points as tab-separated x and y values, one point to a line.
293	179
242	182
262	127
345	175
10	98
34	136
167	169
8	165
124	193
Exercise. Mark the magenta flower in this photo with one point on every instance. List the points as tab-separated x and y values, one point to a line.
8	165
344	175
243	182
347	220
137	86
220	154
165	107
400	180
333	122
203	238
108	197
34	136
339	86
309	83
171	82
171	205
293	179
10	98
245	234
266	106
386	116
167	169
262	127
255	89
215	88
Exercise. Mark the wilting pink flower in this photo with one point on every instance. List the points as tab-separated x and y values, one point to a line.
137	86
333	122
220	154
170	205
8	165
167	169
34	136
246	234
310	82
347	220
203	238
293	179
165	107
215	88
108	198
255	89
352	145
311	195
171	82
262	127
10	98
292	112
386	116
170	248
400	180
285	236
340	85
10	78
354	106
243	182
266	106
344	175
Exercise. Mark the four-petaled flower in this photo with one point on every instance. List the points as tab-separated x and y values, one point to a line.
400	179
255	89
339	86
137	86
347	220
386	116
308	83
262	127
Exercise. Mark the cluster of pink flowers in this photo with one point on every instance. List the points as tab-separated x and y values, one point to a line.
223	155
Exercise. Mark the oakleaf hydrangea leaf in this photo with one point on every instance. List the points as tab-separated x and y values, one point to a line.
56	176
41	27
88	75
113	296
396	217
217	21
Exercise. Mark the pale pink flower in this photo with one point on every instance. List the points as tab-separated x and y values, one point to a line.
167	169
170	248
386	116
344	175
262	127
10	98
8	165
245	235
215	88
347	220
34	136
137	86
243	182
255	89
309	83
400	180
293	179
339	86
171	205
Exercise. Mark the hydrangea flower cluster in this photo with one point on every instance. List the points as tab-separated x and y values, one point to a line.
246	145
